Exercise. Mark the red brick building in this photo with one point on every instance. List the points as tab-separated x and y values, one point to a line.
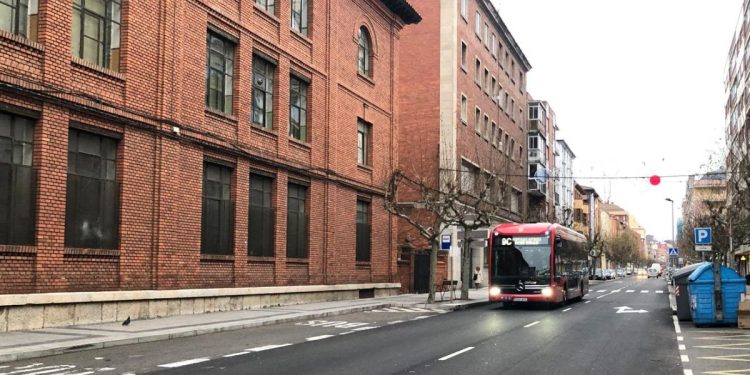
463	101
194	144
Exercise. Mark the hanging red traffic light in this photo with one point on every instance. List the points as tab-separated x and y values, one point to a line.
655	180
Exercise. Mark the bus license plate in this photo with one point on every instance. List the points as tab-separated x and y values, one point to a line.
520	299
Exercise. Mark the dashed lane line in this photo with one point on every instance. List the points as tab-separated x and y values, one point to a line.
687	372
680	338
235	354
266	347
629	291
462	351
676	325
531	324
396	322
644	291
568	309
587	302
316	338
184	363
684	358
659	292
681	347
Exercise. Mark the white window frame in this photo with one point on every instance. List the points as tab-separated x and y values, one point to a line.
464	55
465	9
464	109
478	25
478	120
486	125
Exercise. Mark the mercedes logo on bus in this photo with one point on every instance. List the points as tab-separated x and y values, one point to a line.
520	287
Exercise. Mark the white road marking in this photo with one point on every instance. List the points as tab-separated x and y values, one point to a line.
601	290
681	347
364	328
587	302
77	373
26	370
235	354
676	325
684	358
347	333
98	358
680	338
629	291
266	347
396	322
616	291
531	324
568	309
316	338
462	351
659	292
184	363
687	372
29	366
644	291
106	369
601	296
422	317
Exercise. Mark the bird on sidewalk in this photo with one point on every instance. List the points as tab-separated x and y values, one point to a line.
126	322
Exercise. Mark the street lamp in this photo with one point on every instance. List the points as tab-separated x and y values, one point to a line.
673	244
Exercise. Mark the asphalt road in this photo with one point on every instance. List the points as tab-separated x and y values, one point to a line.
621	327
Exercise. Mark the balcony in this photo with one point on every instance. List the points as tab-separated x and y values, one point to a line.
537	156
537	188
536	125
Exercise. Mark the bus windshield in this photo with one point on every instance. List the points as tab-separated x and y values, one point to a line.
520	258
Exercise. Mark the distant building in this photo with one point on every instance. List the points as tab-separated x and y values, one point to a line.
541	141
564	184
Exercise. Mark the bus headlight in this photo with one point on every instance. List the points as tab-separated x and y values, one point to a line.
494	291
547	292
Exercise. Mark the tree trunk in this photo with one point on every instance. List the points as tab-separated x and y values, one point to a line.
433	270
465	265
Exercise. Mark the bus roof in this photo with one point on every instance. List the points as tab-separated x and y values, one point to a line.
535	229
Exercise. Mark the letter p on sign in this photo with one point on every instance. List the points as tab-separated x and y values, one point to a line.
702	236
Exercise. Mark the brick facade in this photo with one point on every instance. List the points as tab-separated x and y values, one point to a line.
155	106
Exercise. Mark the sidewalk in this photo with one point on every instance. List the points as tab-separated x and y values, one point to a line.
52	341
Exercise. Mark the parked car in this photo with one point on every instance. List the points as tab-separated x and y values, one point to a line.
609	274
620	272
652	272
598	274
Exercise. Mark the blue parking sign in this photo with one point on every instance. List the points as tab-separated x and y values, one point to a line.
702	236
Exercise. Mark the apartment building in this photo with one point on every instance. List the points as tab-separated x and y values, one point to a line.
199	144
462	104
541	168
564	184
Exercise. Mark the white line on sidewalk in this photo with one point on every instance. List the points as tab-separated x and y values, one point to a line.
316	338
568	309
462	351
235	354
531	324
688	372
629	291
681	347
184	363
684	358
266	347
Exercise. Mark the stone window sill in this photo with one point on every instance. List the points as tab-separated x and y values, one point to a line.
84	252
221	116
21	41
97	70
216	258
18	250
365	78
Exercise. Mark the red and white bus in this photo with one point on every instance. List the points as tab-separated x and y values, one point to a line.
537	263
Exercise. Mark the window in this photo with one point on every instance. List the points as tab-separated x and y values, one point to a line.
505	62
464	8
296	222
494	46
91	211
96	32
298	109
469	174
464	108
486	131
506	103
533	142
493	89
219	72
364	55
515	198
513	109
478	25
216	221
486	81
521	81
486	36
506	143
262	93
521	119
363	231
500	139
478	120
262	217
299	16
477	72
513	70
534	112
464	50
512	149
267	5
16	180
520	153
20	17
363	143
493	136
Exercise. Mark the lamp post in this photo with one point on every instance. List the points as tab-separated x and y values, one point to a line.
669	258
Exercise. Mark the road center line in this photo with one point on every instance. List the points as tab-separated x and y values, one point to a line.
629	291
676	325
588	301
235	354
531	324
449	356
659	292
680	338
684	358
688	372
266	347
644	291
184	363
681	347
396	322
568	309
316	338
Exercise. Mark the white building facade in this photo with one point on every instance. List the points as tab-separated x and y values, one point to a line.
564	185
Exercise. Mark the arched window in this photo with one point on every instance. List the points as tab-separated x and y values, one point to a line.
364	55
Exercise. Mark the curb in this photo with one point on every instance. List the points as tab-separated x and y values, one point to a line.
213	328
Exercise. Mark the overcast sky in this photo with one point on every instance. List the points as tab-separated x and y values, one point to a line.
637	86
